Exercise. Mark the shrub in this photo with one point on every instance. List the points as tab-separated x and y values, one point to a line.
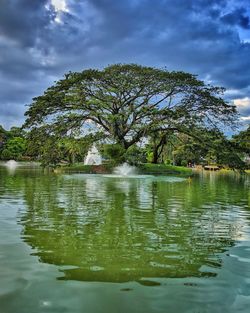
184	163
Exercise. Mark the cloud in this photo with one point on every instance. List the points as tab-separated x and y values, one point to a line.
243	106
238	17
245	118
41	40
59	5
23	20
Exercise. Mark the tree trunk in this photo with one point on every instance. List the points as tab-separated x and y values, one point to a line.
158	149
155	157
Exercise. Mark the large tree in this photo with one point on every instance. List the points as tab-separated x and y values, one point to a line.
127	103
242	140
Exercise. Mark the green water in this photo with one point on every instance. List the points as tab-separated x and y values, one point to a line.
87	243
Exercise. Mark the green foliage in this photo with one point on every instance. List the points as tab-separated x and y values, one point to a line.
229	155
88	169
127	103
14	148
12	143
3	135
149	154
79	167
157	143
16	132
74	150
184	163
51	154
115	153
208	147
149	168
242	141
168	162
135	155
52	149
6	154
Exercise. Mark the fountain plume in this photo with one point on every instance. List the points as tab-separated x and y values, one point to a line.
11	165
93	157
124	170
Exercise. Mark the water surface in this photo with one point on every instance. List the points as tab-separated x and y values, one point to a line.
92	243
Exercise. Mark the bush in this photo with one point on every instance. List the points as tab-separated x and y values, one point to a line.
114	152
184	163
168	162
135	155
14	148
6	154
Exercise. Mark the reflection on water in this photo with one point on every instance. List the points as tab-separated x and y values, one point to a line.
96	244
116	230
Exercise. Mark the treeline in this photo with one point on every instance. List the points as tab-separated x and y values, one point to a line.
203	147
207	147
21	145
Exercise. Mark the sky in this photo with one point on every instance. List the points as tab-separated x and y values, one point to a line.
41	40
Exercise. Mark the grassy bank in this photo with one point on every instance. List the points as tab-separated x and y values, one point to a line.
87	169
148	168
162	169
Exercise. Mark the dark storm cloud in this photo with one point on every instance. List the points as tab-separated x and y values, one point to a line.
237	17
23	20
38	44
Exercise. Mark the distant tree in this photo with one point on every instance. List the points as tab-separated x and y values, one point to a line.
3	136
14	148
74	149
12	143
16	132
208	147
242	140
241	143
50	149
128	103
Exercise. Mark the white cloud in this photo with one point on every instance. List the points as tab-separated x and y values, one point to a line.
243	103
243	106
245	118
59	5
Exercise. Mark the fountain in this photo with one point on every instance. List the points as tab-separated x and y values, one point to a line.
11	165
93	157
124	170
127	171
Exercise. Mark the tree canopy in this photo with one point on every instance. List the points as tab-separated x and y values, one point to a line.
128	102
12	143
242	140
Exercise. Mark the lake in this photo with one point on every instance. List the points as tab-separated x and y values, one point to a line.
91	243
